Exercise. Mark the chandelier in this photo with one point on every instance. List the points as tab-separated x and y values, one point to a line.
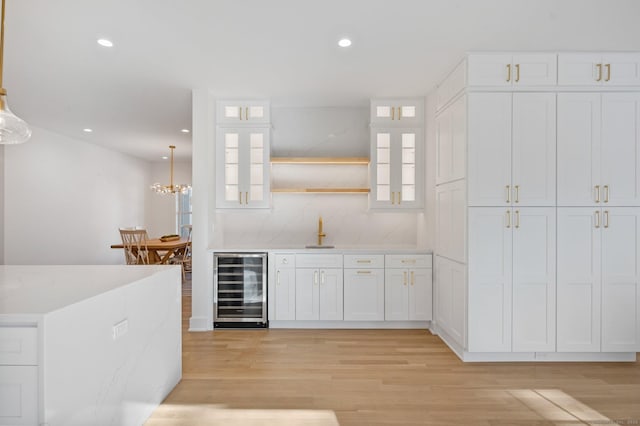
171	188
12	129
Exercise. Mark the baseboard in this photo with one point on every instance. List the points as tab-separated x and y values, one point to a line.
351	324
200	324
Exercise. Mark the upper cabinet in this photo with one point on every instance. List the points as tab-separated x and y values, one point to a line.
236	112
400	112
599	69
512	148
397	156
505	70
242	175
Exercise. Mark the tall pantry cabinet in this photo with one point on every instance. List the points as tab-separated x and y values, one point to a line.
522	267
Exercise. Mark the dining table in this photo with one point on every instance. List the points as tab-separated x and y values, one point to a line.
161	252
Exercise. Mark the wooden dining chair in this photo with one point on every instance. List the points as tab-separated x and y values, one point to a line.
135	246
184	259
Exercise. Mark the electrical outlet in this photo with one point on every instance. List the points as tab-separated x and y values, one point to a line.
120	329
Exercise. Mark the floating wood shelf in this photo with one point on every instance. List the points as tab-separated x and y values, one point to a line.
323	190
320	160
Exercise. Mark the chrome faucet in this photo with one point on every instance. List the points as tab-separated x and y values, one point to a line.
321	235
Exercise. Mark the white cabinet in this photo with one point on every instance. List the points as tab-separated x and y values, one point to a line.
599	69
401	112
364	288
236	112
451	140
319	287
408	287
397	168
512	148
18	376
598	294
451	220
598	149
511	279
449	293
285	288
242	175
506	70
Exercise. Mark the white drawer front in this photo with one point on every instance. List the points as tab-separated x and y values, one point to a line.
19	395
18	346
364	261
408	261
319	261
286	260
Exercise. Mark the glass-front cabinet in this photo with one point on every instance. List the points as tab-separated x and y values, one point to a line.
242	172
242	112
396	175
401	112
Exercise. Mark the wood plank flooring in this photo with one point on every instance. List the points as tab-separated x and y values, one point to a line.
382	377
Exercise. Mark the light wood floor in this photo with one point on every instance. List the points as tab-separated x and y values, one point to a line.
382	377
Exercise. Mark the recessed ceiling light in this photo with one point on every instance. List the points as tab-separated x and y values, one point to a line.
104	42
185	130
164	157
344	42
87	130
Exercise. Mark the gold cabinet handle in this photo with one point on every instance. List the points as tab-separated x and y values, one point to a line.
508	72
240	196
393	195
363	261
517	187
399	113
246	113
508	187
393	113
599	74
322	281
606	218
517	225
277	277
606	193
597	193
413	278
508	219
364	272
517	73
399	197
597	218
240	111
246	198
608	67
404	277
315	277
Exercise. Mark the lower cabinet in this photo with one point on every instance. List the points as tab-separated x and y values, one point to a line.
319	294
285	294
450	307
364	288
408	290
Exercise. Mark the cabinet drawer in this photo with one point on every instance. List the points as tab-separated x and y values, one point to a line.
319	261
408	261
287	260
18	346
364	261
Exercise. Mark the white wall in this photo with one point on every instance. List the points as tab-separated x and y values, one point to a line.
2	204
161	209
65	200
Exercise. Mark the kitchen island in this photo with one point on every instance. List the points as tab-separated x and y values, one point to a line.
84	345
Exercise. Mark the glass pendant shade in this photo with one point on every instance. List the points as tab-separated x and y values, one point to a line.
13	130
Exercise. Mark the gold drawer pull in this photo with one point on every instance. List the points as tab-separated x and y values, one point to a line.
363	261
364	272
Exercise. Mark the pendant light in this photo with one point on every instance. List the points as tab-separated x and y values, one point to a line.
171	188
12	129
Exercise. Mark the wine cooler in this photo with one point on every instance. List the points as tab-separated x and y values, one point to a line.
240	290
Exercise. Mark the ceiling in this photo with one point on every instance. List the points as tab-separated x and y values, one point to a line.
136	96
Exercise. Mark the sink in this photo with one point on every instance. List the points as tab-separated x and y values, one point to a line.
319	247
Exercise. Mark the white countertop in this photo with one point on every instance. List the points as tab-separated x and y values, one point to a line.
341	249
29	290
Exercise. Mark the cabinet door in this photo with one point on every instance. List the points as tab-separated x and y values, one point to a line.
579	285
620	152
620	270
621	69
535	70
406	112
228	155
534	279
490	292
331	294
396	294
242	112
255	178
451	137
285	294
451	220
490	70
420	294
534	149
364	294
489	149
579	149
307	294
19	391
579	69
